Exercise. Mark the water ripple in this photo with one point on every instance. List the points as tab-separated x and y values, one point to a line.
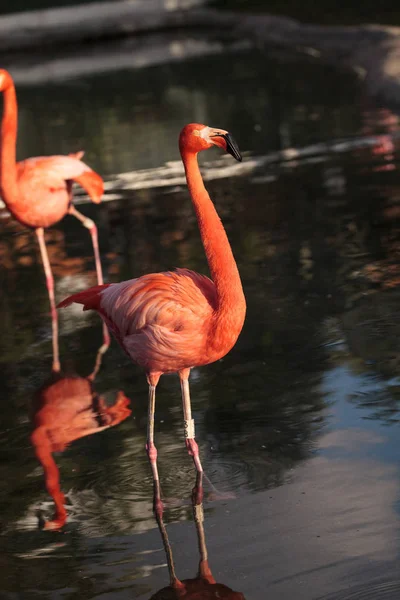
387	590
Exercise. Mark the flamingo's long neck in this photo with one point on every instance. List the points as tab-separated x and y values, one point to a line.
8	167
224	272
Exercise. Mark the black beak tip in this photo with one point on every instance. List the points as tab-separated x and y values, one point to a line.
232	147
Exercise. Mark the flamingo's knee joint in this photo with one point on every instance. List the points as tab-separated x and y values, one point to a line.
151	452
89	224
158	507
192	447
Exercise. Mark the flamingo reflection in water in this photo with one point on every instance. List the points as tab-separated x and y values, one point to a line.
203	586
67	409
38	193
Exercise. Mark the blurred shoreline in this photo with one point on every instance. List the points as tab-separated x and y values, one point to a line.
64	42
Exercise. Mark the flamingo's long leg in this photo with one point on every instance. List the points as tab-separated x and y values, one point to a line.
91	225
152	451
50	290
98	361
191	443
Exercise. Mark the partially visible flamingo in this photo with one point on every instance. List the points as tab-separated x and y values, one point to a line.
38	193
173	321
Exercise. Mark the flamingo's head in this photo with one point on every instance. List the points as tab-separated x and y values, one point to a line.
5	80
195	137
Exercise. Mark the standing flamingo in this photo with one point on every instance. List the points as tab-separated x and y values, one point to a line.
173	321
38	193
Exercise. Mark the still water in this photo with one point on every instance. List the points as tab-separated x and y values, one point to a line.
298	425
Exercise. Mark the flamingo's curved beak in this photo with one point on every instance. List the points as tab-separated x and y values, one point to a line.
231	145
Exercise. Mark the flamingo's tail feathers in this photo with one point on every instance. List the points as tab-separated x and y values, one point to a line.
77	155
92	183
89	298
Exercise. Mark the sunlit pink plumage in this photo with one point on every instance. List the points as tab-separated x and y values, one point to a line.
38	192
170	322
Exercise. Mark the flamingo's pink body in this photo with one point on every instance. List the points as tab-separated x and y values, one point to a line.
38	192
44	188
172	321
166	322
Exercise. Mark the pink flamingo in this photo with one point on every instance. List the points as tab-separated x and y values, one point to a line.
173	321
38	193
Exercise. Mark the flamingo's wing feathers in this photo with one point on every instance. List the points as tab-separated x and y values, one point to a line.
93	184
52	168
90	298
52	173
173	300
77	155
160	319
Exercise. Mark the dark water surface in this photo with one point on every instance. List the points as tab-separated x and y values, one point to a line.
298	426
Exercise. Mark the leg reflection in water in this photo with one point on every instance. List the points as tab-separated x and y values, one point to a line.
203	586
66	409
